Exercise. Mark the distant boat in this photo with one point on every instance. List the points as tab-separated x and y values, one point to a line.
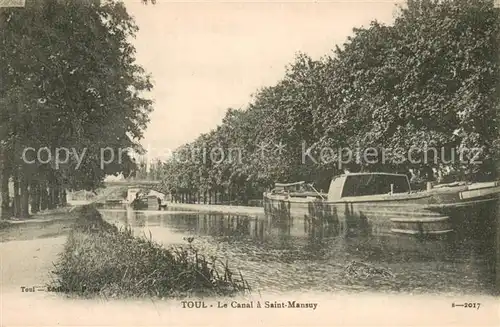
148	202
139	204
383	203
132	194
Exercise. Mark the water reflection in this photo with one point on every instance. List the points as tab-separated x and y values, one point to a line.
292	254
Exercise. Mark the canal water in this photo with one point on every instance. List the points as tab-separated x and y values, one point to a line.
293	255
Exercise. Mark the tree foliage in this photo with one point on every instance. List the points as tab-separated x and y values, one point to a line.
70	81
428	80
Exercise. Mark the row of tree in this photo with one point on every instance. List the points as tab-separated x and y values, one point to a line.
428	80
69	88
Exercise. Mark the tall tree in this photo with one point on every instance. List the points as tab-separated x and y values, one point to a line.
90	94
427	81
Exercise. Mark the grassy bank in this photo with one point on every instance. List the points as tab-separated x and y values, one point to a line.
100	259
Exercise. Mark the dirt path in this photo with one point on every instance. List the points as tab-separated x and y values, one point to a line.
29	248
28	263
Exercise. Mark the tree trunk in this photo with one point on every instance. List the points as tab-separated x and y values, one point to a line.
5	210
35	196
44	196
51	197
17	197
24	196
56	191
38	198
63	198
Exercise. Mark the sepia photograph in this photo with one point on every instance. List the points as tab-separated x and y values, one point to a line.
253	163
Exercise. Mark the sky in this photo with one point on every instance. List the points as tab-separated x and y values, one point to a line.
205	57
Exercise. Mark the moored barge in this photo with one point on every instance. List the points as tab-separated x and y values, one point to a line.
383	203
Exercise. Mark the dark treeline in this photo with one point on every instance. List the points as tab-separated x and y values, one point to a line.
68	81
428	81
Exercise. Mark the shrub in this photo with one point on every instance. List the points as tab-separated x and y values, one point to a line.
4	224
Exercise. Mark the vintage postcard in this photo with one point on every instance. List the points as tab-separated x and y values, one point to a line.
249	163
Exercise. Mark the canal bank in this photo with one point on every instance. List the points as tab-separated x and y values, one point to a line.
218	208
101	260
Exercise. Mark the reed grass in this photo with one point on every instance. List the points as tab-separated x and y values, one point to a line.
100	259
